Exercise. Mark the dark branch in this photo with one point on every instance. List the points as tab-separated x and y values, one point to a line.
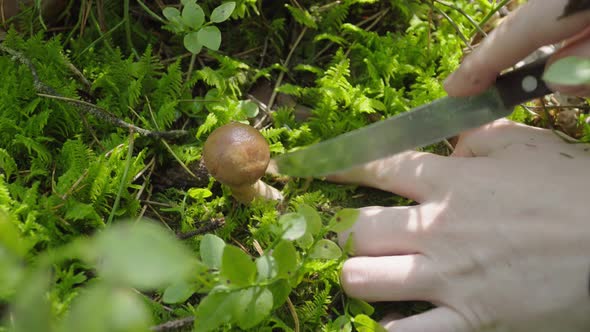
174	325
212	225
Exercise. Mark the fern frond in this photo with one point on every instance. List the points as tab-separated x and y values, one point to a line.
7	163
32	145
73	162
333	19
312	311
5	199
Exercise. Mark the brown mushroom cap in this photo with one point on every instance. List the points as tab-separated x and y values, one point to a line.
236	154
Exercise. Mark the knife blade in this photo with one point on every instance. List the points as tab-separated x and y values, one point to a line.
416	128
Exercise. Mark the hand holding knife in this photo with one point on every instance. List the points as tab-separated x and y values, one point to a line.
416	128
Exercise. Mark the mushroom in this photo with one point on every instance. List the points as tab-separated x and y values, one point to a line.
237	155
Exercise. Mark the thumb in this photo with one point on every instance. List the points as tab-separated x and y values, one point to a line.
440	319
534	24
578	47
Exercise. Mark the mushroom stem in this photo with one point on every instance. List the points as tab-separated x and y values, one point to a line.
245	194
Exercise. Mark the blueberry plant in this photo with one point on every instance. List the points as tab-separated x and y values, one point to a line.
109	220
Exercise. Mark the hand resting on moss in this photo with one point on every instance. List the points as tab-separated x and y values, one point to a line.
500	240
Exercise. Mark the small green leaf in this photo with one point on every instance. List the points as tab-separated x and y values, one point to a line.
326	249
293	226
303	17
214	310
248	108
128	312
211	250
364	323
342	324
359	307
343	220
142	255
102	308
171	13
253	306
569	71
178	292
191	42
11	241
313	219
11	273
305	241
237	266
30	310
280	292
267	267
222	12
201	278
193	15
286	258
199	193
210	37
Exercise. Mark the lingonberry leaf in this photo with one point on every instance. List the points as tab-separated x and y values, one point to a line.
280	292
237	266
252	306
325	249
193	16
293	226
312	217
222	12
211	250
343	220
286	258
192	43
141	255
171	13
266	266
214	310
210	37
178	292
569	71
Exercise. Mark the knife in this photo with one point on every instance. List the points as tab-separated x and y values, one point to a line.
422	126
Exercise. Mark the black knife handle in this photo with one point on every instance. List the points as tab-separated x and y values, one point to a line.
523	84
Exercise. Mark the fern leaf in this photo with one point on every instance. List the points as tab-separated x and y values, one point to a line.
312	311
5	199
73	162
303	17
7	163
33	146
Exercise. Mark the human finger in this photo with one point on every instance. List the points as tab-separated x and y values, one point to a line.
485	140
415	175
535	24
390	278
386	231
441	319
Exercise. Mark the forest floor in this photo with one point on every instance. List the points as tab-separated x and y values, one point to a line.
110	221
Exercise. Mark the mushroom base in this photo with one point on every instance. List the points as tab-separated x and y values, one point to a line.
245	194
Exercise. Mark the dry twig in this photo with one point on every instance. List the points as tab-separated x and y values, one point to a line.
212	225
174	325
